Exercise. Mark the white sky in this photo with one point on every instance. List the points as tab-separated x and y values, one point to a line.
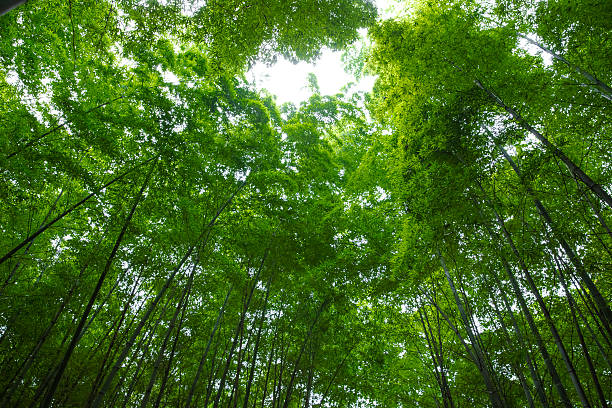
289	82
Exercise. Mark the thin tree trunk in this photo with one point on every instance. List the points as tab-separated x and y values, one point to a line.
568	364
23	369
594	83
160	354
46	403
238	330
8	5
206	232
254	405
278	385
596	211
447	397
61	125
235	388
470	352
592	310
556	380
440	351
203	359
517	370
149	339
334	375
310	377
256	348
474	328
521	338
496	399
604	308
213	372
603	352
46	381
270	357
164	382
46	226
434	357
104	301
573	168
100	375
297	362
27	249
585	350
25	366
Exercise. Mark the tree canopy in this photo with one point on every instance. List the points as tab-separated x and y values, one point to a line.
172	237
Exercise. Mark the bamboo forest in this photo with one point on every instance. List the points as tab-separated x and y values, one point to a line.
172	236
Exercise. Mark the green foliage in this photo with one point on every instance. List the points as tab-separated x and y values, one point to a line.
416	246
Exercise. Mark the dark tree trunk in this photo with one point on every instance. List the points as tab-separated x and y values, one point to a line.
162	387
256	348
204	236
46	403
46	226
181	305
203	359
602	304
297	362
572	167
238	331
496	399
585	350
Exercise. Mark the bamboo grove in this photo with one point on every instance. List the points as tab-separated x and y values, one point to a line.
173	238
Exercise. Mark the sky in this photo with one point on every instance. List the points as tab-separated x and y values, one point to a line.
289	83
